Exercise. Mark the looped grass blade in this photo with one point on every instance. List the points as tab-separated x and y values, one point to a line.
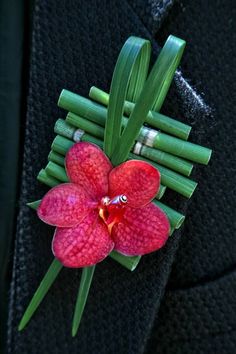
152	95
128	79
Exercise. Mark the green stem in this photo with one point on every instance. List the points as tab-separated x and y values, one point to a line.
57	158
184	149
41	292
170	179
53	156
154	119
168	160
175	163
61	144
45	178
163	142
85	283
82	109
81	123
57	172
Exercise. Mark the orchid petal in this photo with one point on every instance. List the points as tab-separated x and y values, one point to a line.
65	205
84	245
88	166
141	230
138	180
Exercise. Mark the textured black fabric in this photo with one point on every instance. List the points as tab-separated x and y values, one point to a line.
198	314
13	51
75	45
152	12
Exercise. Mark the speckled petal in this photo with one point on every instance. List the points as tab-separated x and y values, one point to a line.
88	166
141	231
65	205
138	180
84	245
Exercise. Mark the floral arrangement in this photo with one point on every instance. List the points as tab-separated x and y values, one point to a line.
110	164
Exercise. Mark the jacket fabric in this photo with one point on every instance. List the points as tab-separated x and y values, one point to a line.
180	299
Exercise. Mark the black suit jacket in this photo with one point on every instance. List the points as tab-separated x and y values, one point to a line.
182	298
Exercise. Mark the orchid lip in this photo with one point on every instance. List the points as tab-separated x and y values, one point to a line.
111	210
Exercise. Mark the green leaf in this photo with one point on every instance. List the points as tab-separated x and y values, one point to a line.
41	292
85	283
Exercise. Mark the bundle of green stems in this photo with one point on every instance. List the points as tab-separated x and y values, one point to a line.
170	153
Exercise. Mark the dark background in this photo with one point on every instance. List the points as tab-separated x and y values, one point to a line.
198	311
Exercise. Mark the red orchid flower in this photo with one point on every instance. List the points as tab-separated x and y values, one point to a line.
103	208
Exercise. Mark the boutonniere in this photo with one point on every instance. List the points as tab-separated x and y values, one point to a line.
112	159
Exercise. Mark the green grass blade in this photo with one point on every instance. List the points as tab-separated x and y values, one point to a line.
130	71
34	205
85	283
41	292
152	95
56	158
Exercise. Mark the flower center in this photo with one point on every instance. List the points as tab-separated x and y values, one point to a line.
112	210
